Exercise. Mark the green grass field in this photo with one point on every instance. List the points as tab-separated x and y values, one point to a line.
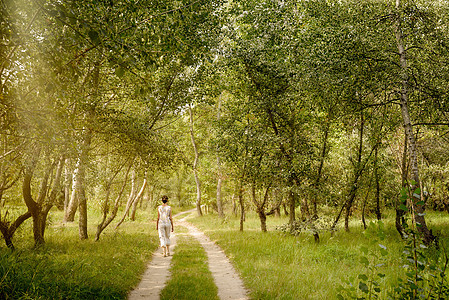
67	268
275	265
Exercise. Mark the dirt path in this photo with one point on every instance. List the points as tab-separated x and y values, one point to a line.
227	280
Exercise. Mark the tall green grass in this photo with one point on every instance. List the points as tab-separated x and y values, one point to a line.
67	268
274	265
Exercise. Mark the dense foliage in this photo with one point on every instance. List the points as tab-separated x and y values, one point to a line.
332	106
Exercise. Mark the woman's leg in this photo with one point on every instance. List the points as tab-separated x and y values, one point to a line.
167	235
163	238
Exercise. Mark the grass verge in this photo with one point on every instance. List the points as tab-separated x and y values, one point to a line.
274	265
190	275
67	268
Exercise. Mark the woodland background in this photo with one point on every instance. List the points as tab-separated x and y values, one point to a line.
333	109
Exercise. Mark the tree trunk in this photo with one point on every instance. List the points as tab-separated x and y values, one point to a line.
365	200
67	181
260	206
82	221
292	205
357	171
316	184
69	214
82	200
401	205
138	200
33	206
219	175
132	193
377	181
9	230
195	165
52	198
278	196
284	206
128	206
234	197
107	220
132	217
417	202
242	206
305	212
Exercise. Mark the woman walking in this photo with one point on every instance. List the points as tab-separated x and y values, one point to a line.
164	225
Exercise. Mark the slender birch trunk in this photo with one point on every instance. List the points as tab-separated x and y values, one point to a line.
195	165
219	175
417	202
69	214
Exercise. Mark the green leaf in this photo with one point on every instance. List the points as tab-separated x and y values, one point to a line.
403	207
119	71
363	287
364	260
94	37
363	277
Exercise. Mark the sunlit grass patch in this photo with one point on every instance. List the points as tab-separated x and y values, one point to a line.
275	265
67	268
190	275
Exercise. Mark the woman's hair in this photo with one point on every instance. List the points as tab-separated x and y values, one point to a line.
164	199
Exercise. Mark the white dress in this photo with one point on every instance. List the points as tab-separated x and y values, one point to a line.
164	225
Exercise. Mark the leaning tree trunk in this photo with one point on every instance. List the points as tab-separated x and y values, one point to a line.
417	203
132	216
107	220
56	188
8	229
358	168
195	165
130	203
